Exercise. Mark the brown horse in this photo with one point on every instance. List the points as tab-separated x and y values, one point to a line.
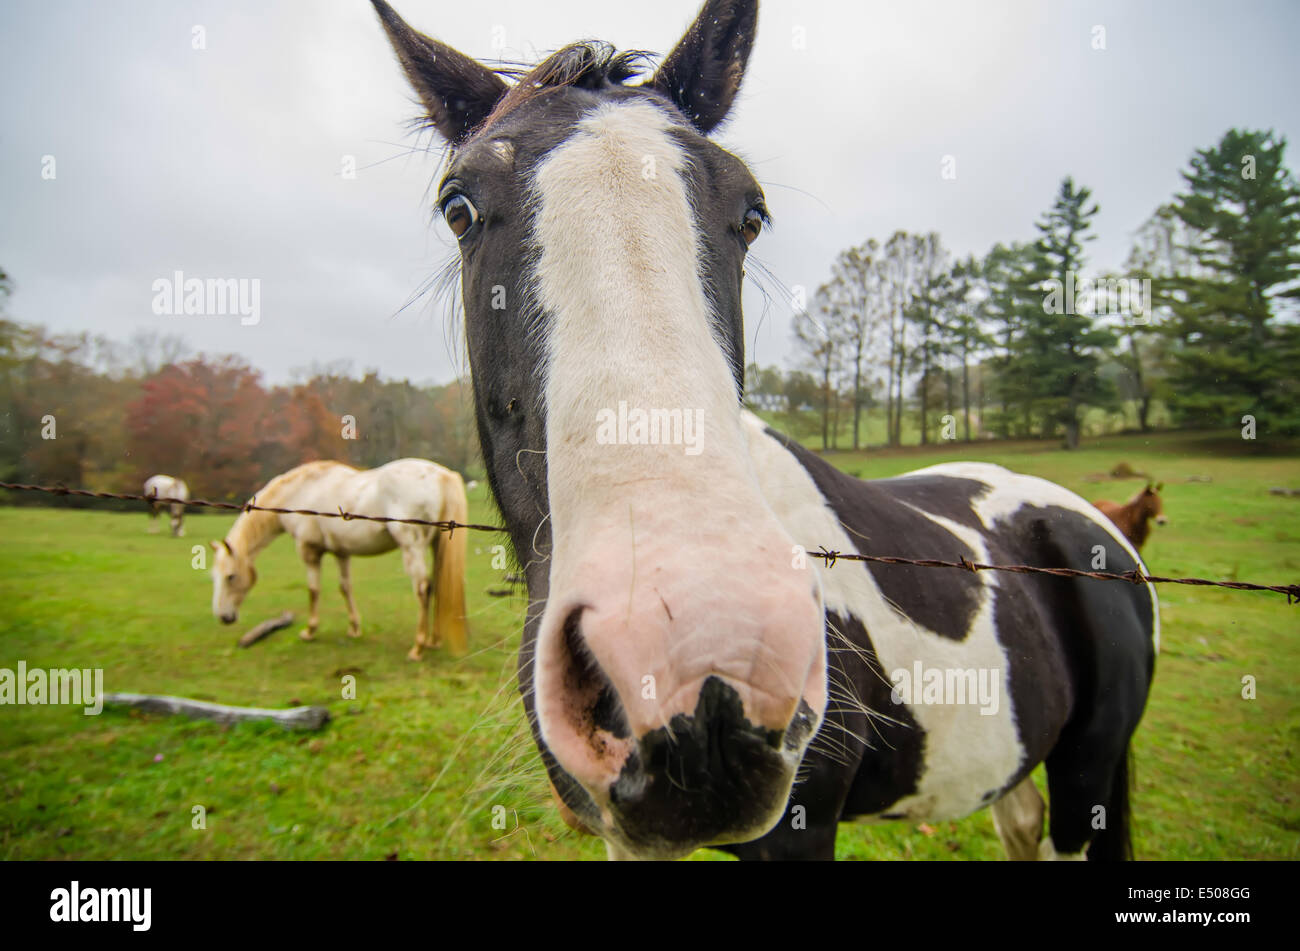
1134	516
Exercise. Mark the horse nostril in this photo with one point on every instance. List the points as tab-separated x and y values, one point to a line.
595	704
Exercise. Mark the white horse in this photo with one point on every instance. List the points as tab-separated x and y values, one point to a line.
167	487
407	488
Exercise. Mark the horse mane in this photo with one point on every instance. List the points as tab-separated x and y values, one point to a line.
254	529
588	64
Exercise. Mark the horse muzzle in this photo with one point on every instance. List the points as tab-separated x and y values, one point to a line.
681	701
709	778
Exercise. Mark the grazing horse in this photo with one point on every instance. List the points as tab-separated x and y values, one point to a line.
691	676
167	487
407	488
1134	517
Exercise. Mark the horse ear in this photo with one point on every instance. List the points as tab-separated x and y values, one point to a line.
229	551
214	545
458	92
703	72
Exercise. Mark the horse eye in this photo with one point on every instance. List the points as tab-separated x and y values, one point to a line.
752	225
460	214
230	579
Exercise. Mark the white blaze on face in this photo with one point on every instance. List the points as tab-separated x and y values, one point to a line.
679	566
619	272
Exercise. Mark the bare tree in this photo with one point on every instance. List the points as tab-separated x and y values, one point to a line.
819	335
855	291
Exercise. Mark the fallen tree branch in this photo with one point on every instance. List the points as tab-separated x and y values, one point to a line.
265	628
294	718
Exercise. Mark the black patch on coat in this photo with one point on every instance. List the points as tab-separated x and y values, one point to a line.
1061	635
948	497
878	520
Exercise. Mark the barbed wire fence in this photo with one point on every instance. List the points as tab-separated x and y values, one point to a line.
829	556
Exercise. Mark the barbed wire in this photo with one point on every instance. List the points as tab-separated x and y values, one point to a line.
1136	576
251	505
829	556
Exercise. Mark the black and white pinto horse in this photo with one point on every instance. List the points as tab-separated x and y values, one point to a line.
691	677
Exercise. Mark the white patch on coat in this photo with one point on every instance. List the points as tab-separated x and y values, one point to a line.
1008	491
966	753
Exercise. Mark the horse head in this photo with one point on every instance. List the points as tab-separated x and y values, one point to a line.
674	659
233	576
1152	505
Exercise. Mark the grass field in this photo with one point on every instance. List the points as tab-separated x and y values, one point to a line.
433	760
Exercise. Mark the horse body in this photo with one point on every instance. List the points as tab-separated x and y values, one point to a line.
1063	658
404	489
691	676
407	488
167	487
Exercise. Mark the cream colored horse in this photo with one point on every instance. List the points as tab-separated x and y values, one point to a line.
166	487
407	488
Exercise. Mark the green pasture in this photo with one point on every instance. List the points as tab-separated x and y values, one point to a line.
433	759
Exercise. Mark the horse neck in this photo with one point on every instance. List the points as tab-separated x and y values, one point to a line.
1141	528
253	531
1133	517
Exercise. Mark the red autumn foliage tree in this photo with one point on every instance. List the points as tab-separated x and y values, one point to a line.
202	421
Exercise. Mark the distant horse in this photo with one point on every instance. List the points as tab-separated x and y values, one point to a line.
1134	517
684	658
166	487
407	488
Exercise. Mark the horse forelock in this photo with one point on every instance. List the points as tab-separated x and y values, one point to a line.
590	64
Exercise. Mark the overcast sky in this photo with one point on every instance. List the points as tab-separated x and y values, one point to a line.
226	161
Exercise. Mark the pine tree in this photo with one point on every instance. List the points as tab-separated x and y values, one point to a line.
1013	302
1062	347
1238	345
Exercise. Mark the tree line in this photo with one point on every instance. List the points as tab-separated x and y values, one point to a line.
1021	342
85	411
1024	341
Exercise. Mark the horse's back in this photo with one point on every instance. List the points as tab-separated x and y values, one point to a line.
408	488
1036	522
1108	508
403	489
325	485
160	485
1089	641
